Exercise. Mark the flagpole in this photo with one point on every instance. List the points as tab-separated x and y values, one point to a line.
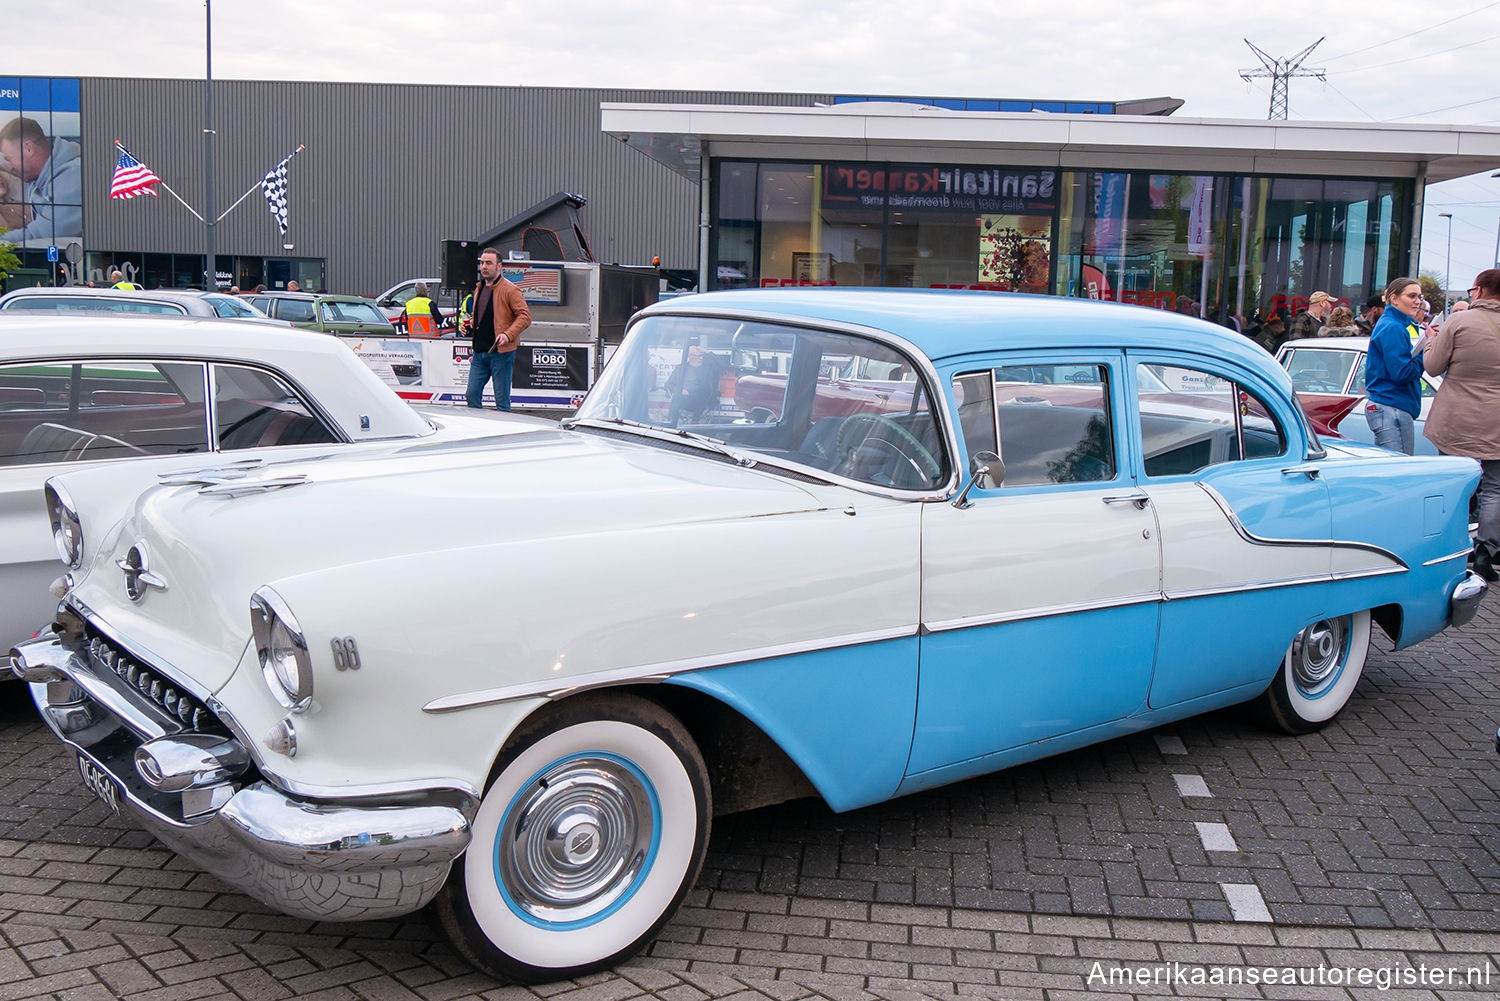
210	259
252	190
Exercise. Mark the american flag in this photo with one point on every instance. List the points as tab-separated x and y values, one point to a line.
132	177
540	284
274	188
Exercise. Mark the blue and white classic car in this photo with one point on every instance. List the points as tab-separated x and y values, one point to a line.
850	543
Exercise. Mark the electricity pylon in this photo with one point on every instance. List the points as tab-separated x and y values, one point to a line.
1281	70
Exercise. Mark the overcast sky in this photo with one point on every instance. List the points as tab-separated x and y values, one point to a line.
1384	61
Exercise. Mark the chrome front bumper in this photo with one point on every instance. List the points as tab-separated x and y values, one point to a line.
1466	598
350	860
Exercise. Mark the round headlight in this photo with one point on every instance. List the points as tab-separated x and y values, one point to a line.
67	530
282	650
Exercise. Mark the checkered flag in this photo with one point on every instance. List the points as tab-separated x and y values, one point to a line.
274	188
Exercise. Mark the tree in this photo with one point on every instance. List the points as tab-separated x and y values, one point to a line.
1432	291
8	262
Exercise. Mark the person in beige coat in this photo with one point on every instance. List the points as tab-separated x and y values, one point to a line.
1465	417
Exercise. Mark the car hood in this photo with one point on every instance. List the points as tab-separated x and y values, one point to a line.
213	541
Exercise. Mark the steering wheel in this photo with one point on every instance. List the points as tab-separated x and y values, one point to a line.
881	430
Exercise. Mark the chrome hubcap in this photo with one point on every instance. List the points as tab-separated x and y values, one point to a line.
575	840
1318	652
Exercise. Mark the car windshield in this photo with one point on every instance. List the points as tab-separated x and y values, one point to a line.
1320	370
845	404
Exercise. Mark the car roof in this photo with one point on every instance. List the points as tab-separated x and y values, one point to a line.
189	300
950	323
1335	343
312	296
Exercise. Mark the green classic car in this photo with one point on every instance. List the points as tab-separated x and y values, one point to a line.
330	314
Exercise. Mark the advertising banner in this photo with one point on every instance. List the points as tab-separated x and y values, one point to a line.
436	370
964	189
41	165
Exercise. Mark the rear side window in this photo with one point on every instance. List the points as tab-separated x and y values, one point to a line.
1191	419
73	411
295	310
256	409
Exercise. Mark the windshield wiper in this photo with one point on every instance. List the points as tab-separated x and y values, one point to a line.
714	444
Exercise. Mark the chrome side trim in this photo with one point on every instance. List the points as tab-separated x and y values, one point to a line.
653	673
1258	540
1461	554
1038	612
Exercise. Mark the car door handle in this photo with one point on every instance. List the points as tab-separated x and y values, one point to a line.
1311	472
1139	499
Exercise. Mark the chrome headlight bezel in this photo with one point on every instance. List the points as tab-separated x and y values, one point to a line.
67	529
281	648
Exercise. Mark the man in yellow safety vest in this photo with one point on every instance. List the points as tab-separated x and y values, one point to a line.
421	315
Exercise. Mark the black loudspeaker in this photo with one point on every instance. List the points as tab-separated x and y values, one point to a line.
460	264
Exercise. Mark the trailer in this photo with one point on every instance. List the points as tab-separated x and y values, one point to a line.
578	316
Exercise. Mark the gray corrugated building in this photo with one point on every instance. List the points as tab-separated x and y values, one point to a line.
389	171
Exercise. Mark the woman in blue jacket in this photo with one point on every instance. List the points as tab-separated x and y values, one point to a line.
1393	371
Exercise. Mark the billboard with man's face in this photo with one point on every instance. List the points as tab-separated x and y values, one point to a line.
41	165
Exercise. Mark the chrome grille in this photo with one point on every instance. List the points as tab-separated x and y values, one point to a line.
154	687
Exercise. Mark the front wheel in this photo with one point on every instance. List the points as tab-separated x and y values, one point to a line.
592	830
1318	674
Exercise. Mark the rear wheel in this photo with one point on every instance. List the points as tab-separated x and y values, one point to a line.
1319	673
592	830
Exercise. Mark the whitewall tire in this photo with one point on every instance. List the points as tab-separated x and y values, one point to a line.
592	830
1319	673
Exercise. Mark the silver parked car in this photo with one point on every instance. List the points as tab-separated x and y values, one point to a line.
1335	366
159	302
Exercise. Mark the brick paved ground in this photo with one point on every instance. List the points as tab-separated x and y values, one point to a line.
1373	845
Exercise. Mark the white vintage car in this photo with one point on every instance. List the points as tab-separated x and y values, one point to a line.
852	543
84	390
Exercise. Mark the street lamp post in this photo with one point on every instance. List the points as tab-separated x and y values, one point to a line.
1448	265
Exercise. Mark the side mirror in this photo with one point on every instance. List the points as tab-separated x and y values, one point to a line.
987	471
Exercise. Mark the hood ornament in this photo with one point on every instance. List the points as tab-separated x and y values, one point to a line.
138	576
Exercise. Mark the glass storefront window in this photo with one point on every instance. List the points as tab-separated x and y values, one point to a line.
1210	245
918	225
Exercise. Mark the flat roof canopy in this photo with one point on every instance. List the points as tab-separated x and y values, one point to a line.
676	135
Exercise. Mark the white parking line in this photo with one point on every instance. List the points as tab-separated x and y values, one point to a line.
1245	902
1216	837
1170	744
1191	785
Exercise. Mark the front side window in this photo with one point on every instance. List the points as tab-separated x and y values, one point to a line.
1050	423
1191	419
848	405
255	408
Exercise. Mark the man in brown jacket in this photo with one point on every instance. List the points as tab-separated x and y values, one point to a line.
500	314
1465	417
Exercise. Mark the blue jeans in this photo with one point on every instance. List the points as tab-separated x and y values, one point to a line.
483	368
1392	427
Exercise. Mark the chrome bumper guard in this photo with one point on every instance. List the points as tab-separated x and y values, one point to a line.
350	860
1466	598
